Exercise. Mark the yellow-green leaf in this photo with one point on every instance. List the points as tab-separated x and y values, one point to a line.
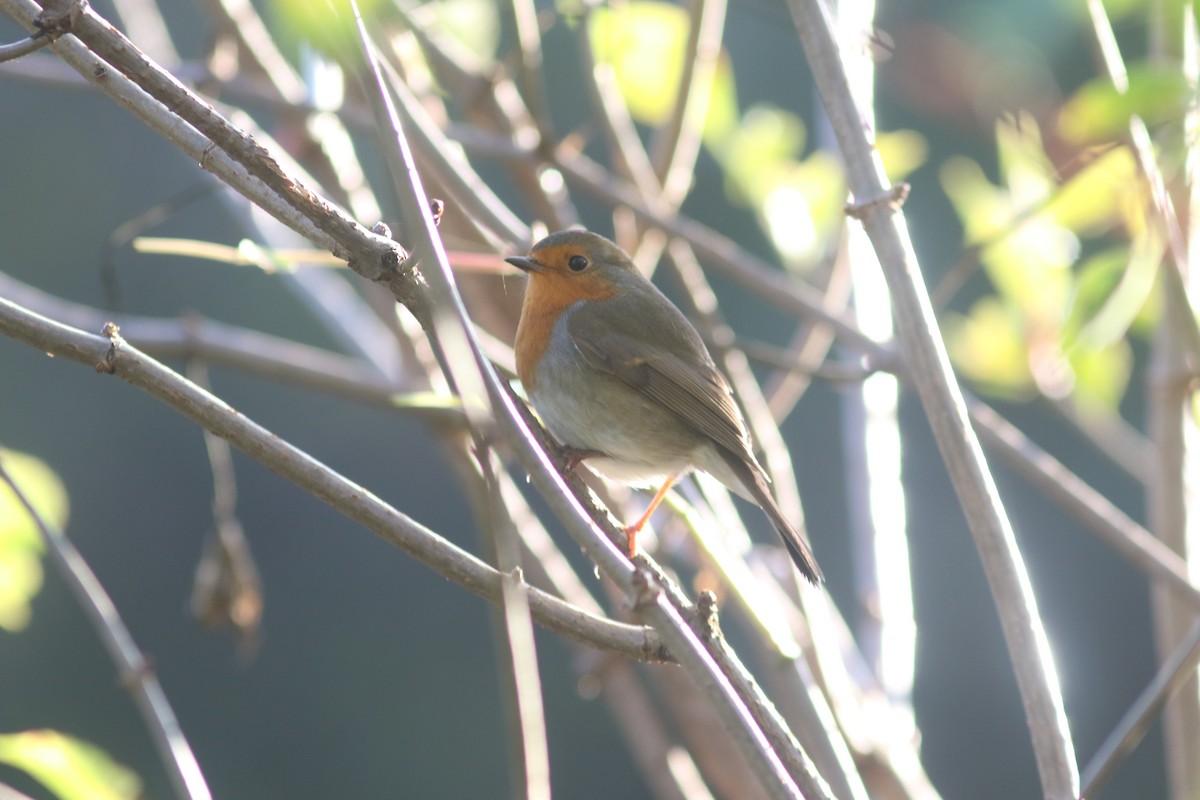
327	27
804	208
983	209
723	112
70	768
1030	268
1112	290
20	541
1090	201
474	23
644	43
764	146
1098	112
902	152
1101	375
988	347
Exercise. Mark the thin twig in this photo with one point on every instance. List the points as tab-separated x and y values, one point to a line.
663	764
1097	513
472	379
107	42
496	104
676	144
371	251
445	160
1175	671
135	670
250	351
30	44
1176	355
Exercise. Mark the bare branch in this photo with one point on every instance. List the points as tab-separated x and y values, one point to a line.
348	498
946	410
1175	671
135	670
15	50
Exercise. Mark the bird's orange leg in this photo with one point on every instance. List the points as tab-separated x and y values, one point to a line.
632	530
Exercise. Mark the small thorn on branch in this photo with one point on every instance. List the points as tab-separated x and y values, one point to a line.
893	198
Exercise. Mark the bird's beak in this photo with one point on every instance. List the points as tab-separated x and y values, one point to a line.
525	263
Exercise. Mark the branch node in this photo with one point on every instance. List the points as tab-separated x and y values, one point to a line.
893	199
137	673
645	591
708	622
59	18
107	364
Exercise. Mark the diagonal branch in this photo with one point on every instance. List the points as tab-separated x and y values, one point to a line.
350	499
135	671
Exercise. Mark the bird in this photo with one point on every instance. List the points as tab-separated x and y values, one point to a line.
623	381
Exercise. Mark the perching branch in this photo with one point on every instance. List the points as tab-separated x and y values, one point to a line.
129	364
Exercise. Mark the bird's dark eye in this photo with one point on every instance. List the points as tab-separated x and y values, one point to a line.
578	263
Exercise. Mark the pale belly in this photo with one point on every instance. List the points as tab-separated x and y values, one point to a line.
586	409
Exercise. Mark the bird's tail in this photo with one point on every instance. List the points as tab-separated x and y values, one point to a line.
755	482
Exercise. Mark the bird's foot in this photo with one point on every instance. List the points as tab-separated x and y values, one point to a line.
572	457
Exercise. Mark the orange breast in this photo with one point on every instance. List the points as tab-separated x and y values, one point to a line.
547	296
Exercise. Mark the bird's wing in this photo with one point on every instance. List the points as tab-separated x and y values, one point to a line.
688	385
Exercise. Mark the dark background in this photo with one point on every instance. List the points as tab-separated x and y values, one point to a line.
375	677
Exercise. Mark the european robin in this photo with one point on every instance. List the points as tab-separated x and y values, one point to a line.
622	379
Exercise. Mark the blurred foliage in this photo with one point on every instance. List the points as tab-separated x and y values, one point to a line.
1097	112
798	199
1067	250
328	27
1058	323
70	768
474	25
21	545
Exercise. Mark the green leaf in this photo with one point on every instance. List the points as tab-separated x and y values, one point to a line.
983	209
1101	375
804	208
1027	174
902	153
327	28
1112	290
474	23
765	144
1030	268
21	544
644	43
1090	202
988	347
1098	112
723	113
70	768
1026	252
